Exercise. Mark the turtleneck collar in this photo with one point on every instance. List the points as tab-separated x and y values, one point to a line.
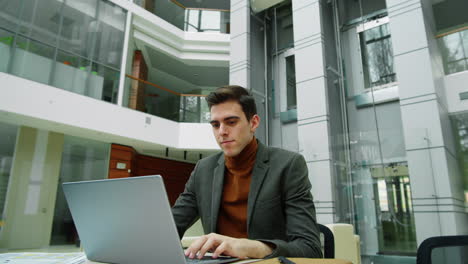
244	159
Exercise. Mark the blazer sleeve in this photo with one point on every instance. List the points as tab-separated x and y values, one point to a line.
303	237
185	209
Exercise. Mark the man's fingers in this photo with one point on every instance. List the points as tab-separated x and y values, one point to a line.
209	244
191	251
220	249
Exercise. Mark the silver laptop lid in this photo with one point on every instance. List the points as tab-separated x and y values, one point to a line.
125	220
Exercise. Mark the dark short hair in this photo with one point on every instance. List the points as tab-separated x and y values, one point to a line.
233	93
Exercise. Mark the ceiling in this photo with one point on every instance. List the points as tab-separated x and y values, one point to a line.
197	75
213	4
175	74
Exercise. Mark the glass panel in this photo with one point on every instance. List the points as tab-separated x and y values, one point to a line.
40	19
110	36
351	11
169	11
168	104
71	72
108	79
291	83
192	20
455	66
32	60
161	103
189	109
7	148
79	28
453	52
464	38
460	130
284	28
6	42
377	56
396	230
9	12
211	21
82	159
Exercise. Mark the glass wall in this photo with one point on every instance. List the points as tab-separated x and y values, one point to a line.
380	179
7	148
460	128
82	159
454	49
73	45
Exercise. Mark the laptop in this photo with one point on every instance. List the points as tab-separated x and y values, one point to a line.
126	220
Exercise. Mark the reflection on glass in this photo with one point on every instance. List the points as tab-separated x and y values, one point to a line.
78	27
454	49
190	109
40	20
109	39
377	56
7	141
9	13
82	159
6	42
460	128
396	227
291	83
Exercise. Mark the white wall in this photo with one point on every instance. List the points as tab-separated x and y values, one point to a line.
43	106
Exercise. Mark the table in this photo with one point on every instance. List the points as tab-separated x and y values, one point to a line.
275	261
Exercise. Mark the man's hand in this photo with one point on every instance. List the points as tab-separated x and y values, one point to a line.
223	245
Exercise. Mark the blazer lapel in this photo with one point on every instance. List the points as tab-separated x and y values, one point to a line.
217	191
258	175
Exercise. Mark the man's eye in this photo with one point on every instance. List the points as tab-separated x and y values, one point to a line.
215	125
231	123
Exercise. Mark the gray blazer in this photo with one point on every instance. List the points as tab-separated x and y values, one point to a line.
280	207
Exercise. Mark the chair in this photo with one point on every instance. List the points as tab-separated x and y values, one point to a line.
347	244
457	245
328	242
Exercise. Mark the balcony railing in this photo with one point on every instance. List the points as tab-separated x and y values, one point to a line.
187	18
160	101
38	61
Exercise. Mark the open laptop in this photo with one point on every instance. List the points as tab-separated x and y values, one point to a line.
126	220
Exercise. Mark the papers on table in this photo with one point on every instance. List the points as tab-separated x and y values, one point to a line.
42	258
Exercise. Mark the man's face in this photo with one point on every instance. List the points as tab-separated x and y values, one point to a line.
231	128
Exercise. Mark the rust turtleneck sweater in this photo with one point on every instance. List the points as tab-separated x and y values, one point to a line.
232	218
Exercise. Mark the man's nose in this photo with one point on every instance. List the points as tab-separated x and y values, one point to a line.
223	130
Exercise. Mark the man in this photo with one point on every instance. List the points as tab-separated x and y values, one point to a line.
254	201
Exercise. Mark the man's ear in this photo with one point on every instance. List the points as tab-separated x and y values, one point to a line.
254	123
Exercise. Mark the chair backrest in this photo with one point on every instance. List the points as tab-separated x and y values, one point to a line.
328	243
458	246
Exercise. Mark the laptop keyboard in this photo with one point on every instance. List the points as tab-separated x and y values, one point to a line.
209	260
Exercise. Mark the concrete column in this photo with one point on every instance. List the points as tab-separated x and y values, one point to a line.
312	108
32	189
436	187
239	67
